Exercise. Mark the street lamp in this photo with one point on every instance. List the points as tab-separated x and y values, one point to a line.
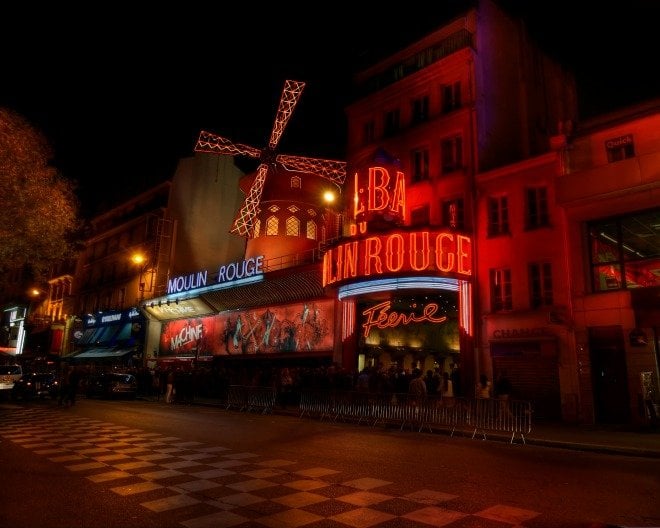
329	198
141	261
332	217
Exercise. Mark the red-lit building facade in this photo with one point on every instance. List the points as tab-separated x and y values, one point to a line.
608	189
452	157
480	223
458	110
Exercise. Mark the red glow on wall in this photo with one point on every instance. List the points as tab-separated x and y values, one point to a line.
417	252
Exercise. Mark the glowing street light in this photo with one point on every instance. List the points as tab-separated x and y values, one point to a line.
140	260
329	198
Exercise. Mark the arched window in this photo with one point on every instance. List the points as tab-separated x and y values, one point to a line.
296	182
272	225
292	226
257	227
311	229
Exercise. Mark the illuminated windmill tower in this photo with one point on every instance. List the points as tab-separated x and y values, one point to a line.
284	216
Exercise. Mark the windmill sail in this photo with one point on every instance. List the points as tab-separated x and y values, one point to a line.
332	170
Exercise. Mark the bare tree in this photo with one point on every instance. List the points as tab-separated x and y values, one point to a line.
38	207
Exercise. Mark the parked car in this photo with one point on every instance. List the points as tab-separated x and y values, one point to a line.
111	385
36	385
8	375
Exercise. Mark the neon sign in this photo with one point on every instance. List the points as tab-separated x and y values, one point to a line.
442	252
227	273
381	317
382	202
239	270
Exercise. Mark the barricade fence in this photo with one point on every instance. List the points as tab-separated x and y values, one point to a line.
251	399
478	416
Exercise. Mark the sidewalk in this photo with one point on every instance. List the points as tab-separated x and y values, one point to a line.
595	438
598	438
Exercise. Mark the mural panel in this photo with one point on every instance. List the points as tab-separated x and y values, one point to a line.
266	330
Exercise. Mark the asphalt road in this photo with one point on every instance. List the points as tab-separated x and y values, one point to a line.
143	464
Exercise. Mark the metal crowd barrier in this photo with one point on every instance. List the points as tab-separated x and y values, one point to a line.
477	415
237	397
251	399
507	416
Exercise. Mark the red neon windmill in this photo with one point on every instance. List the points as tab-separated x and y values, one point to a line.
332	170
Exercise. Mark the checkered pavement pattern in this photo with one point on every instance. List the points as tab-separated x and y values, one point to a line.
211	486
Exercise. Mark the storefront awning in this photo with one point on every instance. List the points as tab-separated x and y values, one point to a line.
97	353
294	286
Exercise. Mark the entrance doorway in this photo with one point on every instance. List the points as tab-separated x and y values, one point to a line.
609	374
532	368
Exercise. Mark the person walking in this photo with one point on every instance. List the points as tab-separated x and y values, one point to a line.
169	384
455	376
417	388
64	385
483	390
503	393
447	390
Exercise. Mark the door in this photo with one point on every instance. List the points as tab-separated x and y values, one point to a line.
532	368
609	375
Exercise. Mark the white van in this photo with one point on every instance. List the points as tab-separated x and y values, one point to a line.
8	375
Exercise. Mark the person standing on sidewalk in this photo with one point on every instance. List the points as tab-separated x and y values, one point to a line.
503	392
483	389
169	394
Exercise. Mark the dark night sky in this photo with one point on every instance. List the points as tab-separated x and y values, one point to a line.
122	94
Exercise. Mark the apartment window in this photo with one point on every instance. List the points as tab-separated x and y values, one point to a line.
451	154
625	251
56	293
620	148
272	225
420	216
311	229
392	122
100	249
107	301
368	132
137	234
453	213
419	110
420	165
451	97
498	216
113	244
500	290
292	226
540	285
537	207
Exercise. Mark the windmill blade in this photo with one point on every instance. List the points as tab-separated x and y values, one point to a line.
244	223
289	99
332	170
211	143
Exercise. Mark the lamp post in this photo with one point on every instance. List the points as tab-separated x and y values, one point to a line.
32	319
332	221
141	261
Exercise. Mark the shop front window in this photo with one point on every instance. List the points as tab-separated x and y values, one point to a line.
625	252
